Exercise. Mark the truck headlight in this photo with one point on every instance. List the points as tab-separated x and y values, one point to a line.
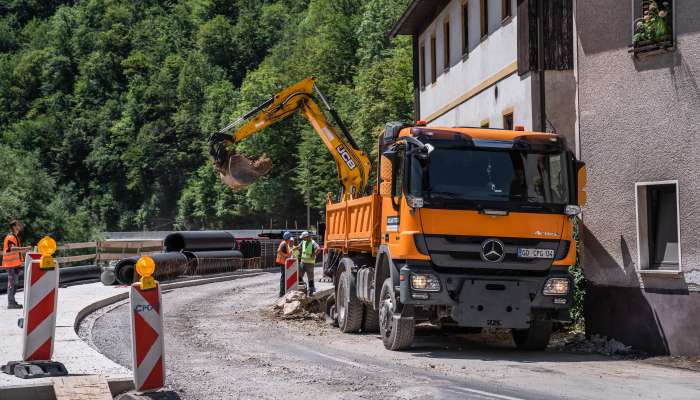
425	282
556	287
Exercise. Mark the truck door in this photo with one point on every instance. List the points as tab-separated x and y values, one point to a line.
391	190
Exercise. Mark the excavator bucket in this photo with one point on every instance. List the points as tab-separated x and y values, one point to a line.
239	171
236	171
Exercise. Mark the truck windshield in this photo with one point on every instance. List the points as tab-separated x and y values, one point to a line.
474	177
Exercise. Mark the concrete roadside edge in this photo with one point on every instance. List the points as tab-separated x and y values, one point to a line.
44	390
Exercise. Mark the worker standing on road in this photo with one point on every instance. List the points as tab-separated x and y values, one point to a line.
284	251
12	261
309	250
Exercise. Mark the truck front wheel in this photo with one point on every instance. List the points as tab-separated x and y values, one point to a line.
396	331
536	337
348	305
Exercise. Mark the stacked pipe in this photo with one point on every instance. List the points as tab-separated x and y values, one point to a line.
213	261
203	252
168	266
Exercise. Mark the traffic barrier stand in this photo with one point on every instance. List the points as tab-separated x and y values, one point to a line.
148	347
291	275
39	322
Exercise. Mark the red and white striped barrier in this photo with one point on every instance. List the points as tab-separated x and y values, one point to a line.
291	274
147	338
40	298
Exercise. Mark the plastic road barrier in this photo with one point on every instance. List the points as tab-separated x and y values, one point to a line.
40	299
147	329
39	322
291	274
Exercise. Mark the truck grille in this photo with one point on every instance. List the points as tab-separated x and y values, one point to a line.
465	252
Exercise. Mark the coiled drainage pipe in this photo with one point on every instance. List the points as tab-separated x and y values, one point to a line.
207	262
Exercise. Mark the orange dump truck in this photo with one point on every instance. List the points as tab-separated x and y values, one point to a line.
465	227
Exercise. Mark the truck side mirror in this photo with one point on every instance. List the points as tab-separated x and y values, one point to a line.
394	155
391	154
581	180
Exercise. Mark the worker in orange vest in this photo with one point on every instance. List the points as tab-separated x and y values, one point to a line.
12	262
284	251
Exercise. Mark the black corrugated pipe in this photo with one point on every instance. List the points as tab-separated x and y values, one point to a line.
66	275
168	266
203	262
124	270
199	241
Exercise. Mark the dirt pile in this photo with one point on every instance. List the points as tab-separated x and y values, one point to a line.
298	305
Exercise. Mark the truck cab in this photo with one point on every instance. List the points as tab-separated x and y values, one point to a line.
466	227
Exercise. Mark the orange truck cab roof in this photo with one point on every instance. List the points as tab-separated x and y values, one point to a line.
483	134
475	133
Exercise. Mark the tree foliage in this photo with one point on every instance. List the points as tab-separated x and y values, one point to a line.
106	106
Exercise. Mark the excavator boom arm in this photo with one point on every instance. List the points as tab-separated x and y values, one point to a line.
352	163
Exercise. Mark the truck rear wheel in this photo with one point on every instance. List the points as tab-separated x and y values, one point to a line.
370	320
396	331
348	305
534	338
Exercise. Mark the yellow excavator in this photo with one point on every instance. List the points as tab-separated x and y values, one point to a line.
237	171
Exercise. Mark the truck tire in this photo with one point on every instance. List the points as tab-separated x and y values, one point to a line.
330	314
370	320
348	306
534	338
396	331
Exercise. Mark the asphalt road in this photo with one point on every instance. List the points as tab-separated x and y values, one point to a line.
223	342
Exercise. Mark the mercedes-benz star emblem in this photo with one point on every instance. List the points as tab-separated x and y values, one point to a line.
492	250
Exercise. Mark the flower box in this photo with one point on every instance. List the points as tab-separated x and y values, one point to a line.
650	47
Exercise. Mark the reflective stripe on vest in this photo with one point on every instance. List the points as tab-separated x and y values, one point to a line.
11	260
307	252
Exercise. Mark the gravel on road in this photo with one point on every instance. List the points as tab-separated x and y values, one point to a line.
224	342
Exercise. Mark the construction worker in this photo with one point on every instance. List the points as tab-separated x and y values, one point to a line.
309	250
12	262
284	251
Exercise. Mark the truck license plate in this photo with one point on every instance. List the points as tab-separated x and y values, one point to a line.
535	253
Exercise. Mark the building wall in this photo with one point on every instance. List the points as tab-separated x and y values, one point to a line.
486	58
560	104
513	94
638	121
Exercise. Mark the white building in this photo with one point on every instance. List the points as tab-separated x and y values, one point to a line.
475	63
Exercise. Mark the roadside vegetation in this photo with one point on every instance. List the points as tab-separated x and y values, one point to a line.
105	106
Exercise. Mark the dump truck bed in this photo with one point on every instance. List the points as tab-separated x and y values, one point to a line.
353	225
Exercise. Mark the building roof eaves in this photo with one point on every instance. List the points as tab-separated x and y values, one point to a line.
418	14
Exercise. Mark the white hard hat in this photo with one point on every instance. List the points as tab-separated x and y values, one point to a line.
304	234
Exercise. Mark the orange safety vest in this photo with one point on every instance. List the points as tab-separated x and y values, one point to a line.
282	256
11	260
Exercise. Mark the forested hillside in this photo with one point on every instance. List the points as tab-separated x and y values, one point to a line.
106	105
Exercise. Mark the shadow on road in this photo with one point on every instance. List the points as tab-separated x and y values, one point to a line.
160	395
430	342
